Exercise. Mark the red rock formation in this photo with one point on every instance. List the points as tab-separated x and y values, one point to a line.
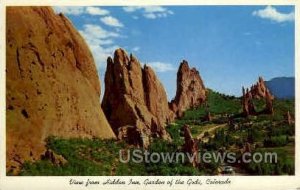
247	147
257	91
190	90
134	97
269	103
156	97
260	90
54	158
247	103
190	145
207	117
131	135
52	85
288	118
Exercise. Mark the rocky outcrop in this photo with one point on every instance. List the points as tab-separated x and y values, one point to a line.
55	159
132	135
52	85
269	103
190	91
288	118
247	103
257	91
190	145
207	117
134	100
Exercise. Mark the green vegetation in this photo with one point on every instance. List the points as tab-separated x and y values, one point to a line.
96	157
85	157
285	164
217	104
227	131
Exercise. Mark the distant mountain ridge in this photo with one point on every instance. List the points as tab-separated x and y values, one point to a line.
282	87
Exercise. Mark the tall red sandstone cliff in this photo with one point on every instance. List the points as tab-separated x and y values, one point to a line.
134	102
190	91
52	86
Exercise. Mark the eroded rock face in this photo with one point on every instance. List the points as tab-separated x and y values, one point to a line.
52	86
131	135
257	91
134	97
269	102
247	103
190	144
58	160
190	91
289	118
207	117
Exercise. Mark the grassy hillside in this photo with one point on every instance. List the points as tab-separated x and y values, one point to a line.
217	103
96	157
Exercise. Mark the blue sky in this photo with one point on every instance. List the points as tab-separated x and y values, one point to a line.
230	45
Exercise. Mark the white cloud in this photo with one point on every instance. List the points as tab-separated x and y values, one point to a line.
132	9
69	10
155	9
94	32
272	14
155	15
161	67
150	15
101	43
111	21
76	10
150	12
96	11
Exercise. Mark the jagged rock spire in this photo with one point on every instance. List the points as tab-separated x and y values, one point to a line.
190	92
134	99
